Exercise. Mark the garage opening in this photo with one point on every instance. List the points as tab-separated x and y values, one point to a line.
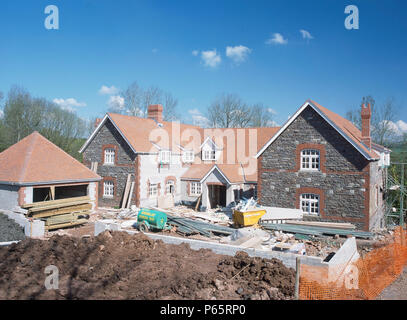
63	192
217	195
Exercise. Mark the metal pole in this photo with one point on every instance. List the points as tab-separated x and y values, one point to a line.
402	197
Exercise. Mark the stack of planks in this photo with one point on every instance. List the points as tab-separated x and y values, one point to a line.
60	213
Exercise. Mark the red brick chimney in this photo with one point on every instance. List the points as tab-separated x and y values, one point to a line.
155	112
366	114
97	121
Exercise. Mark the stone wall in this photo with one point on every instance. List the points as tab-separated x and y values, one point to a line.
342	182
108	136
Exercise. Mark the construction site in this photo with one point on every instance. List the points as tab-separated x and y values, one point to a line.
285	231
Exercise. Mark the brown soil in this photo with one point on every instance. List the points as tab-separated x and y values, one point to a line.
122	266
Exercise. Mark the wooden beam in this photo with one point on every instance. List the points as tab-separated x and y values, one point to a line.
130	195
126	191
46	203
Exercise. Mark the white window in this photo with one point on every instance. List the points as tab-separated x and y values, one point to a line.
108	189
188	156
165	156
196	188
153	190
109	156
170	187
209	155
309	203
310	159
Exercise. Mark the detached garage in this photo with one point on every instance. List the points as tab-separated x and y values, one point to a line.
36	170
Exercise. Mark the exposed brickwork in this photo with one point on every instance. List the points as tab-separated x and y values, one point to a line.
342	182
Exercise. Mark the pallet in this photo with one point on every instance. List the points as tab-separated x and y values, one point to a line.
53	202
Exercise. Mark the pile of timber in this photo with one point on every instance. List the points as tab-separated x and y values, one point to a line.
187	226
301	230
60	213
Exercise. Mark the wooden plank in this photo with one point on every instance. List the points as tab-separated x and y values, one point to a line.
49	213
46	203
126	191
52	189
338	225
64	225
198	202
56	206
130	195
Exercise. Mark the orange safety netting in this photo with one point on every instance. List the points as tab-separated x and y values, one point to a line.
365	279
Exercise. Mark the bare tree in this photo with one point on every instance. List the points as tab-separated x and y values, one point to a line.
261	116
229	111
382	121
136	101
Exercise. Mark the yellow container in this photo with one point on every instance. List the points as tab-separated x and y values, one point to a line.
247	218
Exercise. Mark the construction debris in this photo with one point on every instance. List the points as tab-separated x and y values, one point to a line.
337	225
315	231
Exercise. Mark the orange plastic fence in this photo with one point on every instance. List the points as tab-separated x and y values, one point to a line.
365	279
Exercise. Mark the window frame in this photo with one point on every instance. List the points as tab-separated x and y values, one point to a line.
311	199
194	187
185	157
162	159
109	188
150	189
168	184
307	159
211	153
109	154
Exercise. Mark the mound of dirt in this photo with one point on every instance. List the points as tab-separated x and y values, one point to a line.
122	266
10	230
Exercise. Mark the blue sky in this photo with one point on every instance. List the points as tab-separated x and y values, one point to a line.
163	43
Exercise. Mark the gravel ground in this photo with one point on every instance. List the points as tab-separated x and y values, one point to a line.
9	230
397	290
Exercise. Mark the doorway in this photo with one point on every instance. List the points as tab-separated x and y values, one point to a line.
217	195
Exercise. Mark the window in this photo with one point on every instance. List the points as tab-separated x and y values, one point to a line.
188	156
165	156
309	203
109	156
108	189
310	159
209	155
196	188
153	190
170	187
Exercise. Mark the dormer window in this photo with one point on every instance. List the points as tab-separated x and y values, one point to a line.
188	156
109	156
310	160
165	156
208	155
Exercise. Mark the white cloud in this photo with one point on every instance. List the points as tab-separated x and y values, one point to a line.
1	113
238	53
108	90
195	52
197	118
399	127
68	104
211	58
116	102
306	34
272	111
272	123
277	38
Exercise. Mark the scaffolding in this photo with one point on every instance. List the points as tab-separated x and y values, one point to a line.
396	194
